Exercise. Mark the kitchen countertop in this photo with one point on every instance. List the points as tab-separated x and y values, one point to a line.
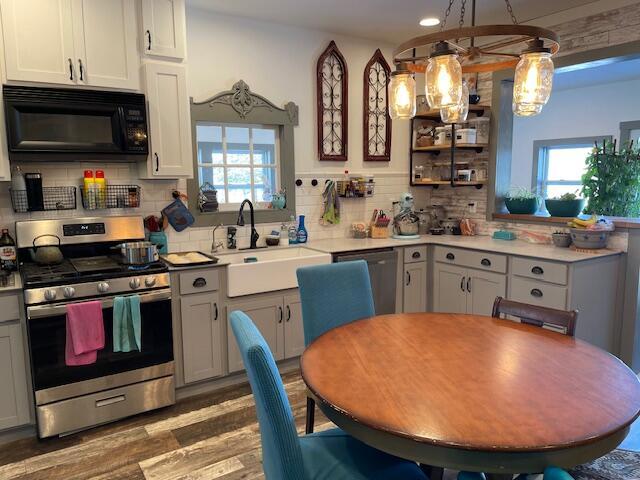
483	243
14	283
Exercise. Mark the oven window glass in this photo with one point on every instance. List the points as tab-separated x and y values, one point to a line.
65	128
47	338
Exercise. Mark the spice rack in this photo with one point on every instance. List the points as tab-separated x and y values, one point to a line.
113	196
53	198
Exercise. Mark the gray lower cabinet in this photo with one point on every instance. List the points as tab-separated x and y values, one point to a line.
415	287
14	401
293	327
466	290
202	333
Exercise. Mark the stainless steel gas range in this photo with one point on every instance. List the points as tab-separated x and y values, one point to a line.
117	385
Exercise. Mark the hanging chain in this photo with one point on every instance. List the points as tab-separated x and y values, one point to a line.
462	12
446	14
510	10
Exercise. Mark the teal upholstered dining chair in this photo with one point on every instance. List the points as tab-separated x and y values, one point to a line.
332	295
331	454
551	473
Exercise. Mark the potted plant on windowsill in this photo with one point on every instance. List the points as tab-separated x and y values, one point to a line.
522	201
567	205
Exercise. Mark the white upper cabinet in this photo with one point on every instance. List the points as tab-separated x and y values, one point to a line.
169	122
71	42
38	40
163	28
104	35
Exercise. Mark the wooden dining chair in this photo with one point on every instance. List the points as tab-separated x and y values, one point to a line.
332	295
561	320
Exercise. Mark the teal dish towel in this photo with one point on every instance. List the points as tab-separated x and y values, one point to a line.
127	324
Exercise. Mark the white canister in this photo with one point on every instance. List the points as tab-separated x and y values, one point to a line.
466	135
443	135
481	125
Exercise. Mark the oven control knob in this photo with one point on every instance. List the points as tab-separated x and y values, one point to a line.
134	283
150	281
69	292
103	287
50	295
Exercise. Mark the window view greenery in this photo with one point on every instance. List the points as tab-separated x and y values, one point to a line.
239	161
561	168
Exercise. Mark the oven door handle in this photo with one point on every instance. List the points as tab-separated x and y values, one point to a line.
41	311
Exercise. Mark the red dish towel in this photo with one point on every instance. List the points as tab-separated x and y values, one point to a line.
85	333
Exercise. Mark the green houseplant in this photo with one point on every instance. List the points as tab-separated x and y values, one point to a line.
567	205
522	201
611	183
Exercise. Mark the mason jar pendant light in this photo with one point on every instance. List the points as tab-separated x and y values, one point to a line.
402	93
457	113
533	80
443	78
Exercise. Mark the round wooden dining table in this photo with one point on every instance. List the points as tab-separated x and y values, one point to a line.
470	392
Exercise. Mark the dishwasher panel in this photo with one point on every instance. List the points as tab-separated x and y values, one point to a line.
382	265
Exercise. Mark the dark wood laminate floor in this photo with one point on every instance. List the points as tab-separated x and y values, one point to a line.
210	436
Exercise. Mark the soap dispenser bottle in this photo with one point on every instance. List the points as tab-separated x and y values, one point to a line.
292	231
302	234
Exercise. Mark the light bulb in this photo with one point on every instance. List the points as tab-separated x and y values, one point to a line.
533	81
402	95
457	113
443	78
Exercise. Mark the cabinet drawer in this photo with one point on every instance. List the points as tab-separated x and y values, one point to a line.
415	254
540	270
538	293
9	308
199	281
493	262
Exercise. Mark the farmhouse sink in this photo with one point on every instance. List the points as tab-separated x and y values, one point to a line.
273	270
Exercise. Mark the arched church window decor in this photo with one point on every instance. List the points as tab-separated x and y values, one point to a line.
332	99
377	122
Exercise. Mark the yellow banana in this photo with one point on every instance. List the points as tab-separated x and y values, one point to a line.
585	223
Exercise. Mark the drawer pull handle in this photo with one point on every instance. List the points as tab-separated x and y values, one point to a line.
462	284
536	292
450	256
469	284
408	279
486	262
199	282
110	401
215	306
288	313
281	315
415	255
537	270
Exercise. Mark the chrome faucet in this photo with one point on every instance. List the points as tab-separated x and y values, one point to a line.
215	245
254	233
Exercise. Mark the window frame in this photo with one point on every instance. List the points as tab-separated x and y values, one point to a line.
626	128
241	107
540	159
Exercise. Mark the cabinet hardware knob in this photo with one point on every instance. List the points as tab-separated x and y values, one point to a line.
469	284
199	282
215	306
486	262
537	270
416	255
157	161
450	256
408	279
536	292
288	313
70	69
462	284
281	314
81	70
149	38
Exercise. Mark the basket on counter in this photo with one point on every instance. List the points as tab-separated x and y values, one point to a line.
113	196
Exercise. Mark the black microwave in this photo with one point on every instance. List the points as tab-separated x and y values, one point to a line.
62	123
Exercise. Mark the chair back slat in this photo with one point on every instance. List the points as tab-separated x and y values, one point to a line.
538	316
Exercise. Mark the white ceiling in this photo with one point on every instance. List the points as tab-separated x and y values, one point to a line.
385	20
597	75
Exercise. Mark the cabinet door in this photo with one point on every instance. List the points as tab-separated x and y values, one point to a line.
105	43
450	294
201	336
169	122
293	327
268	315
163	25
5	166
415	287
38	41
483	288
14	402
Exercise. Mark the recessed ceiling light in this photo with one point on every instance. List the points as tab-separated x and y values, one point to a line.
430	22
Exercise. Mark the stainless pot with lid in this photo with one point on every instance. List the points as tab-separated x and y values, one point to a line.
138	253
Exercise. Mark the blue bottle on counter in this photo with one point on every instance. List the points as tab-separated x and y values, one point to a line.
302	235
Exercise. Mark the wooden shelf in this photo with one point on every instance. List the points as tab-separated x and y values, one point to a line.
435	114
461	146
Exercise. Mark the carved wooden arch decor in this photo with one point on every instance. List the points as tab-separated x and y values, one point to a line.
377	122
332	100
